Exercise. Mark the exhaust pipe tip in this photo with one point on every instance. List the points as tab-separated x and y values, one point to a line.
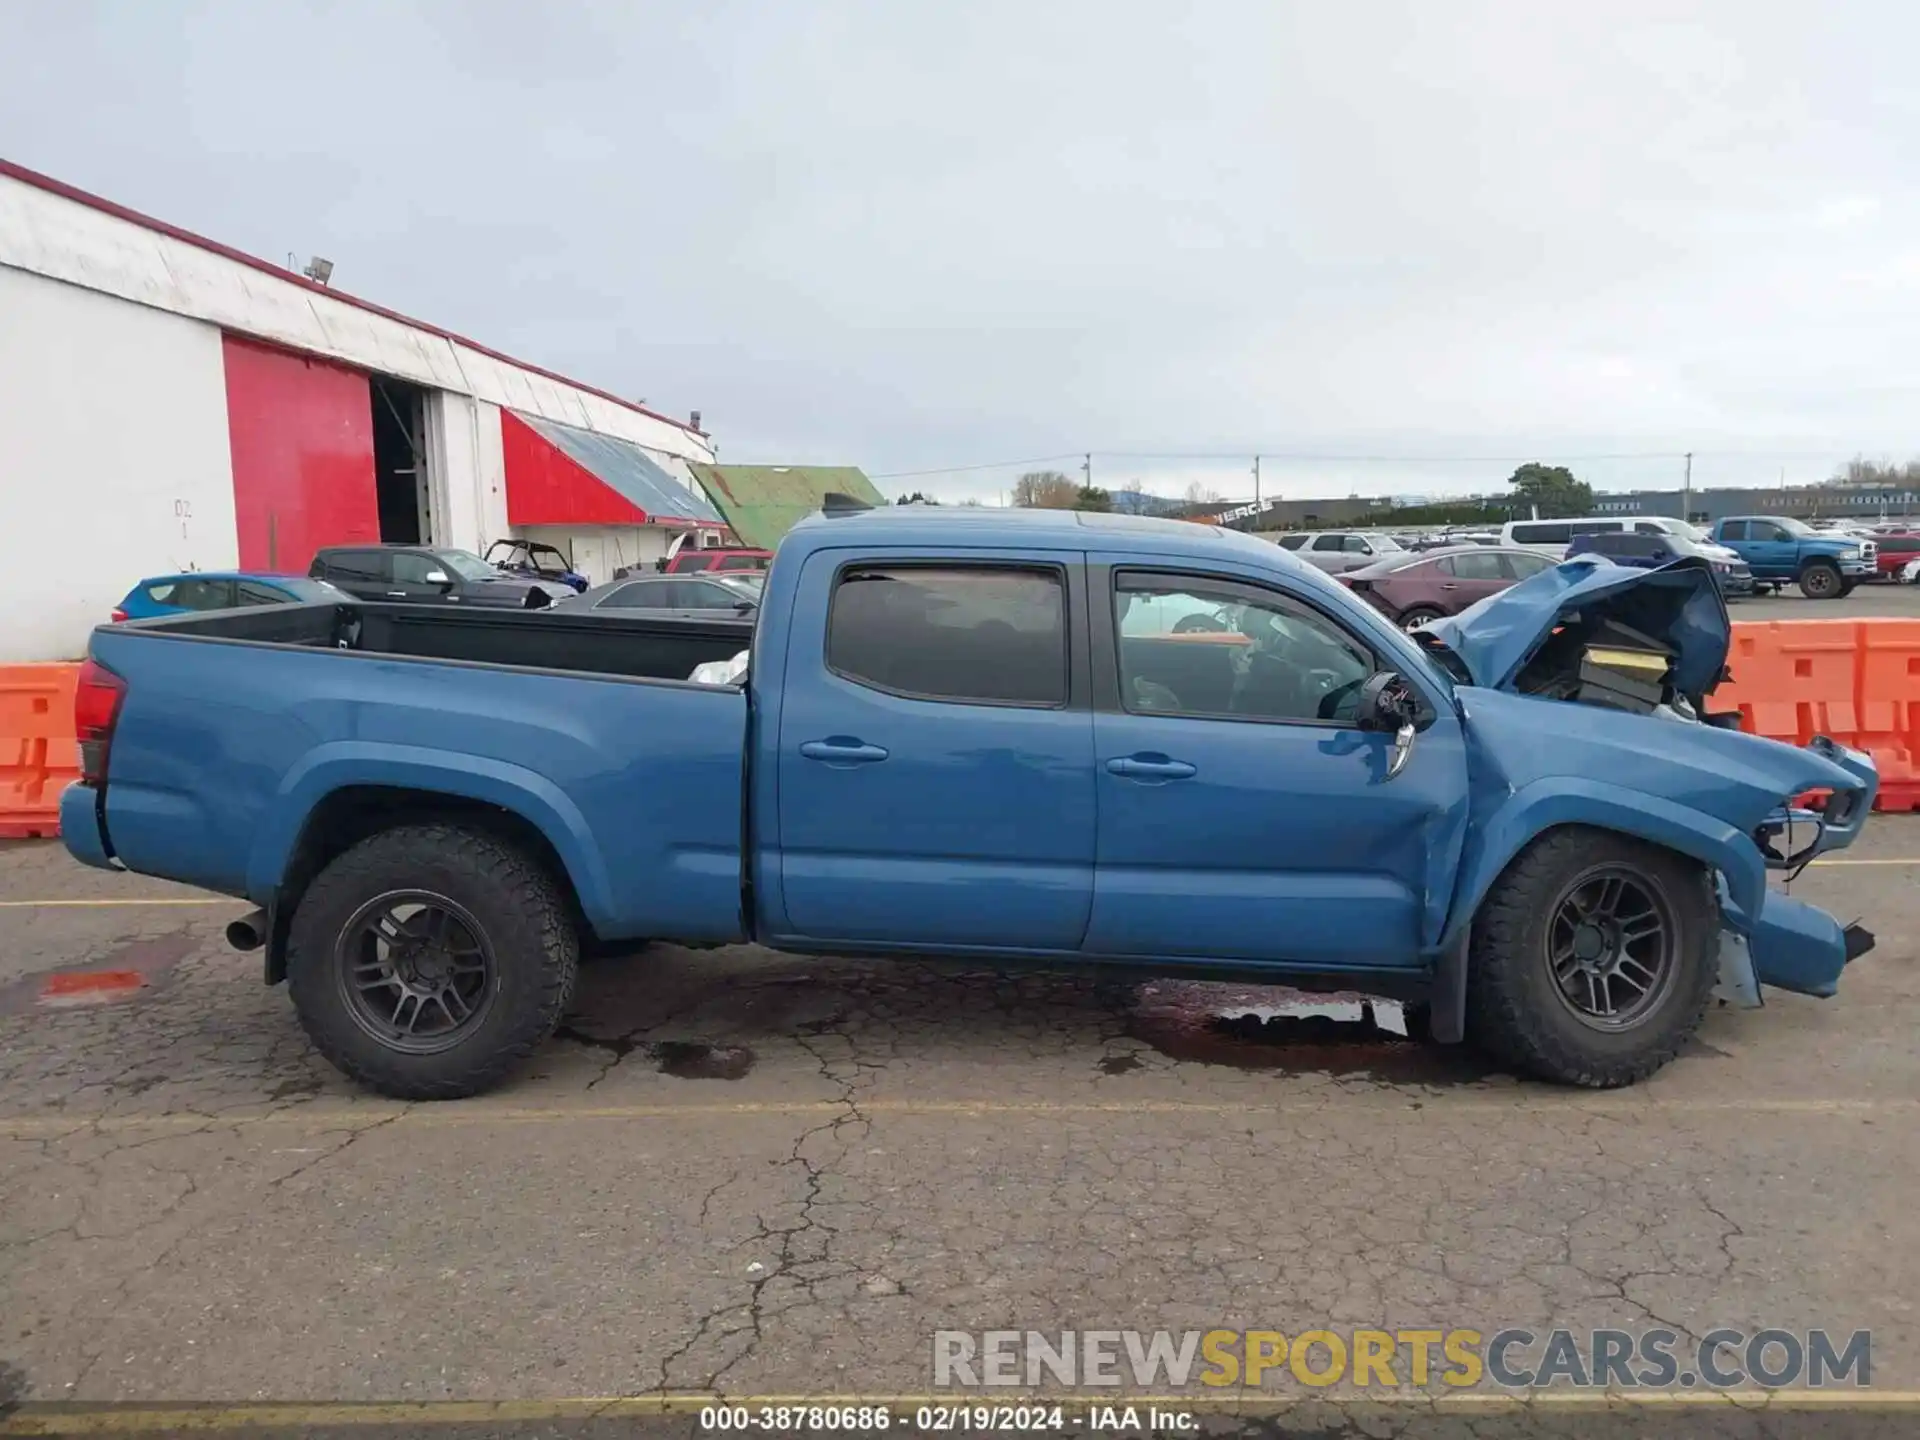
249	932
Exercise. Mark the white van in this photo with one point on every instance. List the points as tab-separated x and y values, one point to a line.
1551	537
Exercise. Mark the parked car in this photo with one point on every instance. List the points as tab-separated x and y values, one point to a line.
532	560
1648	552
423	575
948	744
218	590
733	594
1412	589
1552	537
1782	551
1892	553
1337	551
724	558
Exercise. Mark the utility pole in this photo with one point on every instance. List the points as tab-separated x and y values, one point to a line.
1086	468
1686	491
1256	484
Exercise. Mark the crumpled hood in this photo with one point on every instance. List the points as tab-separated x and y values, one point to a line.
1678	604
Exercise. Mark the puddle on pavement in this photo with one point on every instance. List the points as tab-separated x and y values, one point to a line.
1257	1027
121	974
689	1060
682	1059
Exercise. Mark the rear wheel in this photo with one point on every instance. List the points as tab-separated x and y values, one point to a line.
1821	581
1592	959
429	961
1415	616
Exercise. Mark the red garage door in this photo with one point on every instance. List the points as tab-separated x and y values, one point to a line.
302	437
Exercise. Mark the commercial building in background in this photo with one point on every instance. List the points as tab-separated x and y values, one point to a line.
169	404
762	502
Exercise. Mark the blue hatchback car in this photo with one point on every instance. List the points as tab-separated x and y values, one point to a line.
218	590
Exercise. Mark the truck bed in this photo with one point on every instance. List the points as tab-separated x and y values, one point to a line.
651	647
238	724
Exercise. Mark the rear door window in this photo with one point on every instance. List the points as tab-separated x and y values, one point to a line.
1520	566
359	567
689	563
640	595
203	594
994	635
1475	566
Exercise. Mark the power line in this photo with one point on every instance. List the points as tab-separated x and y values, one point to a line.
983	465
1283	456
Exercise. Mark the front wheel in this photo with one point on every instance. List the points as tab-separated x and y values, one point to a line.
1821	581
1592	959
429	961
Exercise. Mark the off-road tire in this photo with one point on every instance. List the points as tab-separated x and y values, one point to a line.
1513	1010
1418	615
1821	581
526	922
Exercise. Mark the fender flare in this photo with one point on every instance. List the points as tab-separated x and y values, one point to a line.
1547	804
1570	800
345	763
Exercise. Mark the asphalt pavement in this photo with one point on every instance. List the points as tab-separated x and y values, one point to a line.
768	1176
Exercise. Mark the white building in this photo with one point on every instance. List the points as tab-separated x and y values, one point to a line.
169	404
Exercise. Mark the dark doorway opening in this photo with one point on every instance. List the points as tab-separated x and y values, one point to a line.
400	461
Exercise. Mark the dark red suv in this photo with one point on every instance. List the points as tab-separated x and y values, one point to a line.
1415	587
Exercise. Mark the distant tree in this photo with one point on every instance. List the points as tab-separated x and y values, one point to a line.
1045	490
1551	489
969	504
1862	471
1092	497
1198	494
918	497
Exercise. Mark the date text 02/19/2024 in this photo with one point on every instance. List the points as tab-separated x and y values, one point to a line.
962	1419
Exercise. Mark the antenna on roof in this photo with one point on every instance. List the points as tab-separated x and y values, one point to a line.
836	503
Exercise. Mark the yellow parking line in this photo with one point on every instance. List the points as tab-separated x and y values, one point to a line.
71	1418
110	904
446	1113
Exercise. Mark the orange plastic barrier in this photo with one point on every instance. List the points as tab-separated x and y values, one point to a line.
38	755
1856	680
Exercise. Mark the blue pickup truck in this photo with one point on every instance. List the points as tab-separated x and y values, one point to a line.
984	735
1784	551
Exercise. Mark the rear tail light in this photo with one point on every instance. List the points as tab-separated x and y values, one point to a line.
97	698
118	615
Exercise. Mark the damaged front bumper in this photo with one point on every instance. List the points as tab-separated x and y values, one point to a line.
1790	944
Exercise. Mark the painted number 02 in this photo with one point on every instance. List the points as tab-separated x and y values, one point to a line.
183	512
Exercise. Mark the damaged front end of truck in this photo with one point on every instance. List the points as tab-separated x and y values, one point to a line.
1638	654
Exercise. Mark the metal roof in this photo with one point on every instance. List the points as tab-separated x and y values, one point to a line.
762	502
626	468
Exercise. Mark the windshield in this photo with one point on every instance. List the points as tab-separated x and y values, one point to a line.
749	583
1385	544
1794	527
466	564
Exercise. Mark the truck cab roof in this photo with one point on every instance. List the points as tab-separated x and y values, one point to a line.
1022	528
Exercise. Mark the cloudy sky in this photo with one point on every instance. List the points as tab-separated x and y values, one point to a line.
1407	243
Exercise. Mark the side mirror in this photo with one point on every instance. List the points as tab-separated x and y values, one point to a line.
440	578
742	607
1387	706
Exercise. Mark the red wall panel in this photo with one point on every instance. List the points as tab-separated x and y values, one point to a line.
302	436
547	486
